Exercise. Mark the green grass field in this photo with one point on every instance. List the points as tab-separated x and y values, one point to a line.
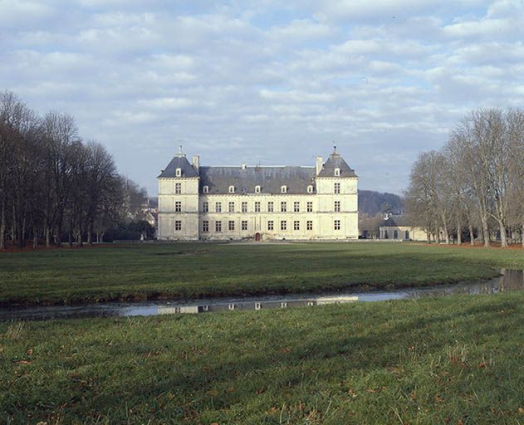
454	360
139	272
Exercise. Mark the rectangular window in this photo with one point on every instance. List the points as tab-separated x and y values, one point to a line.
283	206
218	207
283	225
309	225
296	225
296	206
270	206
178	206
218	226
310	206
337	188
257	206
231	225
205	206
244	224
178	188
231	207
337	206
270	225
205	226
337	225
244	206
178	225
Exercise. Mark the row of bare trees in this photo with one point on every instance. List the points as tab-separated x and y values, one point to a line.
53	185
474	186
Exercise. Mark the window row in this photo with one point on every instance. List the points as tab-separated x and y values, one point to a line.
257	207
395	234
283	189
244	225
258	189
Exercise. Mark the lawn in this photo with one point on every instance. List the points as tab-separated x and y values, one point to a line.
454	360
192	270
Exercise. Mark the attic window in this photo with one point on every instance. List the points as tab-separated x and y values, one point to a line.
178	172
310	189
205	189
337	172
257	189
231	189
283	189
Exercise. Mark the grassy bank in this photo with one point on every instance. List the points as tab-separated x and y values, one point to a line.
139	272
454	360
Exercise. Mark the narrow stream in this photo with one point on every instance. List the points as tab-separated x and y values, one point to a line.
510	280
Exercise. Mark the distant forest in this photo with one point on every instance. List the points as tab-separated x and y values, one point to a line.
372	203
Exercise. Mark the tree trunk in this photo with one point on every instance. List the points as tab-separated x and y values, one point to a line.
59	236
485	230
35	237
459	234
2	227
90	234
70	236
471	236
47	234
503	237
522	235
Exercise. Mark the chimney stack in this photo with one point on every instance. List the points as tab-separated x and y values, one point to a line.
196	162
319	164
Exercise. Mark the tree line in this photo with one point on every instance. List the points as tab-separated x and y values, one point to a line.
474	186
53	185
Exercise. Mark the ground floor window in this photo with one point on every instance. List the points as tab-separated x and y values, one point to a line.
283	225
218	226
296	225
244	224
231	225
178	225
270	225
337	225
309	225
205	226
406	235
395	234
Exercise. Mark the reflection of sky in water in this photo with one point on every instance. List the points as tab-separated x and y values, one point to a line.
512	280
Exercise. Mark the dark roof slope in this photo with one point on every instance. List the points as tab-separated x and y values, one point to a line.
336	161
397	220
270	179
179	161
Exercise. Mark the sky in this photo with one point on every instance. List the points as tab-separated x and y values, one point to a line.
265	82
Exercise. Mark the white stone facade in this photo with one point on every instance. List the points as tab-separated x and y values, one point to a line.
257	203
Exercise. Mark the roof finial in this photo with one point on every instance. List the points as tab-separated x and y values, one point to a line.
334	148
180	152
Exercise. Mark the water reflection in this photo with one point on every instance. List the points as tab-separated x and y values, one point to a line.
510	280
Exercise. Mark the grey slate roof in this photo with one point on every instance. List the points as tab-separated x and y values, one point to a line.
270	179
336	161
179	161
397	220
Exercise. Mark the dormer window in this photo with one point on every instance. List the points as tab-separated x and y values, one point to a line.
178	172
257	189
205	189
310	189
283	189
231	189
337	172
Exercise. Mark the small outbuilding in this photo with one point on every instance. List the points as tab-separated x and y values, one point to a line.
399	228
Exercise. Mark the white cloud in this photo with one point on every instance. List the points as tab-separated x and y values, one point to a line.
261	81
